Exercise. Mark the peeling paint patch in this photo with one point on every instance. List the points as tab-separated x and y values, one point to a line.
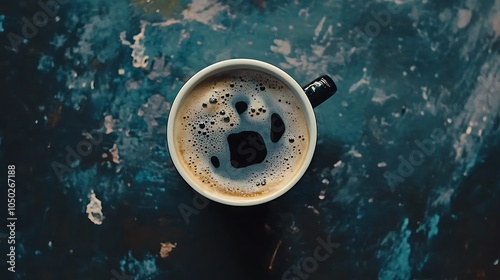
94	209
281	46
204	11
154	110
464	17
114	153
318	29
380	97
166	248
140	59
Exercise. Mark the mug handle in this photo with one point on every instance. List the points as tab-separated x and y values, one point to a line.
320	90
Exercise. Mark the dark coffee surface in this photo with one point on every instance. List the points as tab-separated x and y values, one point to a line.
246	148
237	129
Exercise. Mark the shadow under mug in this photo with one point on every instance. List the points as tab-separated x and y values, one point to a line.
309	96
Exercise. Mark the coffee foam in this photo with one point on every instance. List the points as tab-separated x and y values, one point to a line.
208	115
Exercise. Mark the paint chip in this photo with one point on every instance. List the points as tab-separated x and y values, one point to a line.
94	209
166	248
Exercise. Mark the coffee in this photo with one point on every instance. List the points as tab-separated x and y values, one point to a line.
241	133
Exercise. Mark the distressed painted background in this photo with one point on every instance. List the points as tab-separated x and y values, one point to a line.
404	183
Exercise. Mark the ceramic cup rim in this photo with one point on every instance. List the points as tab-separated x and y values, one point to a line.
242	64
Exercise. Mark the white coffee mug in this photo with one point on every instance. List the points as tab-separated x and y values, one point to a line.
310	96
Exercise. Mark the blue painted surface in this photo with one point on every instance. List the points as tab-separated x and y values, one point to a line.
405	176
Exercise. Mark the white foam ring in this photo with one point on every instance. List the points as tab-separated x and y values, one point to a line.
259	91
